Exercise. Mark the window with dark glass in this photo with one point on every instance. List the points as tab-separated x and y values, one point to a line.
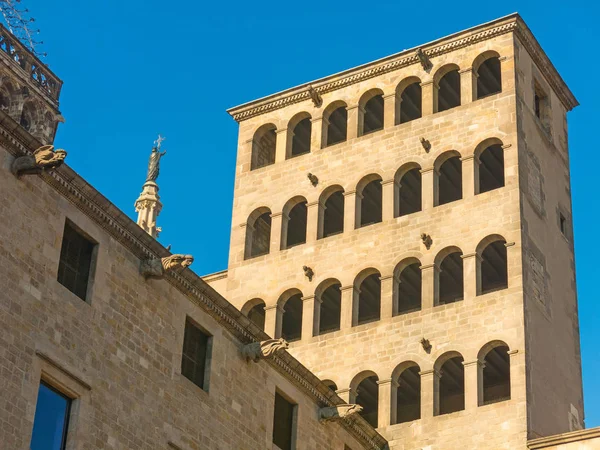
51	419
195	353
75	261
283	423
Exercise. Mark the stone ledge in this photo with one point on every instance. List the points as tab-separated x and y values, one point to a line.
565	438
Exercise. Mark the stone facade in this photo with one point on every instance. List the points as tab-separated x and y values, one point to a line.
535	316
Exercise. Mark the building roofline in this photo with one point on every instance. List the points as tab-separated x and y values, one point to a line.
564	438
106	215
510	23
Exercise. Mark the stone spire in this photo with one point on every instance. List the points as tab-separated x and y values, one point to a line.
148	204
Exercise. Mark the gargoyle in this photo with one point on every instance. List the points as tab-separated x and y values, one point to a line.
44	158
424	60
426	144
308	272
264	349
427	241
338	412
156	268
315	96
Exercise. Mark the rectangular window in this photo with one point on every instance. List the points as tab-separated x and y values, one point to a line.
283	423
75	261
563	224
195	354
541	106
51	419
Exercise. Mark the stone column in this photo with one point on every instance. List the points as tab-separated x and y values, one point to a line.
148	207
471	276
350	211
517	374
273	320
467	87
468	176
427	187
276	232
387	402
389	110
309	317
312	221
387	199
427	98
430	393
347	307
473	383
347	394
387	296
352	130
429	285
316	134
281	145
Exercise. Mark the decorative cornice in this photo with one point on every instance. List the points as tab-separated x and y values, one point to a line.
98	208
565	438
504	25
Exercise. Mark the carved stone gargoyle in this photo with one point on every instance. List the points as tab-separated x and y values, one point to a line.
44	158
315	96
427	241
424	60
156	268
264	349
338	412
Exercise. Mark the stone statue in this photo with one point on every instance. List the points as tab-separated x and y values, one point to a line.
338	412
264	349
44	158
156	268
154	162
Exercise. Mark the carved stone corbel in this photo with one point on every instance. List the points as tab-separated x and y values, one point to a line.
338	412
424	60
427	241
308	272
426	144
44	158
313	179
156	268
315	96
264	349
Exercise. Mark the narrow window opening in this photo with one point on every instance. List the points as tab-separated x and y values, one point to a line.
409	289
291	329
283	423
563	224
296	232
449	91
263	148
410	106
369	299
494	273
301	138
331	385
257	315
373	115
408	396
195	354
75	263
259	235
491	168
489	79
370	209
51	421
4	101
367	396
450	181
333	216
451	279
410	192
452	386
496	376
331	301
337	127
541	105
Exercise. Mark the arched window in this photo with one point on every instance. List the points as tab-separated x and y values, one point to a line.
495	375
451	383
294	223
450	276
407	286
408	393
370	112
331	216
329	303
407	190
367	395
492	264
448	178
448	88
258	233
369	201
335	124
367	297
255	311
27	115
299	134
486	69
4	100
331	385
291	324
263	147
490	170
408	100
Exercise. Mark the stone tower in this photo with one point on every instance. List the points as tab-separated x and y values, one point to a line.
406	225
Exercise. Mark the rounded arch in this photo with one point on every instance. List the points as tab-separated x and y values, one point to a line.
494	373
402	367
292	202
332	385
489	170
328	307
487	74
479	59
366	394
447	178
446	92
488	347
331	211
409	100
444	357
441	255
255	311
370	112
263	146
363	274
290	308
445	156
286	295
14	97
479	148
492	264
481	246
294	223
406	393
360	377
449	276
450	384
258	233
335	123
407	288
369	201
367	297
299	130
324	285
29	117
408	197
251	304
444	70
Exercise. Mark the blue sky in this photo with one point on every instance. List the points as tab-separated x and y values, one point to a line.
136	68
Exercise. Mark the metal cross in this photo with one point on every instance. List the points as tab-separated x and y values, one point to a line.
159	141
